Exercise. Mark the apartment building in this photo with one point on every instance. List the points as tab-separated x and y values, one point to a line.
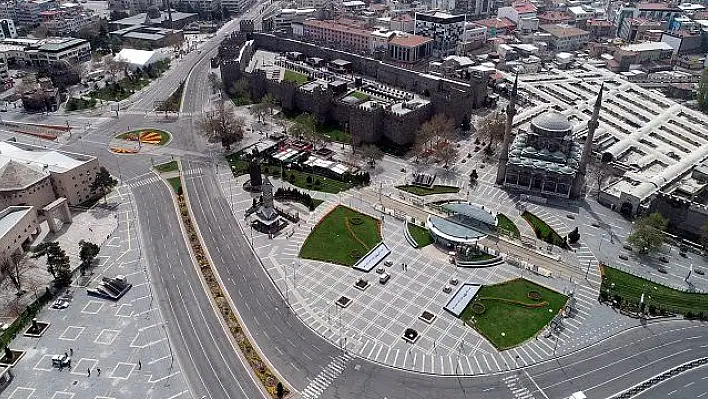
409	48
339	35
67	19
445	29
7	29
565	37
636	29
28	13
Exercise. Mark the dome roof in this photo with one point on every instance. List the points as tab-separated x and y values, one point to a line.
552	121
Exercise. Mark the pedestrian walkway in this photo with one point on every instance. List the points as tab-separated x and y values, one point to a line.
325	378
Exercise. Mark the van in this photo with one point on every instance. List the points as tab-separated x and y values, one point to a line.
383	279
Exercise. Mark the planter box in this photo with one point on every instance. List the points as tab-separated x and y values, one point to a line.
362	284
411	336
16	356
30	332
343	302
427	317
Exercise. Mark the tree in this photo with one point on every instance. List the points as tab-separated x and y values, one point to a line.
432	133
57	262
103	182
574	236
259	110
600	171
648	234
215	82
702	92
87	253
269	102
15	266
445	149
491	129
466	123
304	127
279	390
222	125
371	153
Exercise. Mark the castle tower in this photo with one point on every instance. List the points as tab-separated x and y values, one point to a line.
579	181
510	112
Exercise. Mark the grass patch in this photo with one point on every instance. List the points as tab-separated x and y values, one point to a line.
176	184
629	288
299	179
543	230
77	104
173	102
476	257
296	77
167	167
238	166
329	130
359	95
419	190
343	236
420	234
507	226
505	311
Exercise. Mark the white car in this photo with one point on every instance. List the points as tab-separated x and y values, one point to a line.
60	304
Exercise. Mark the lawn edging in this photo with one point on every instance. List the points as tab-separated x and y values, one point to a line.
551	237
408	235
232	308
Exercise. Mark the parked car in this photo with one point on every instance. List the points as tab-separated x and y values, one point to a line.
627	247
60	304
383	279
664	259
699	271
662	270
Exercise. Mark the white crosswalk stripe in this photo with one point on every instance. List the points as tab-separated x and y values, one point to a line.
333	370
143	182
512	382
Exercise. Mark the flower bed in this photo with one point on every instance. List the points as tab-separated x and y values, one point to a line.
264	373
147	136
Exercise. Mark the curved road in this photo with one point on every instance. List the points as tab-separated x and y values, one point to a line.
300	354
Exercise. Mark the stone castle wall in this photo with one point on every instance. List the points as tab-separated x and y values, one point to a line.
454	99
686	218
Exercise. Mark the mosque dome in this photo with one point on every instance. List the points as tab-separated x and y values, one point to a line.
551	122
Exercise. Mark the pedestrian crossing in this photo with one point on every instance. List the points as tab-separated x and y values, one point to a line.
323	380
144	182
512	382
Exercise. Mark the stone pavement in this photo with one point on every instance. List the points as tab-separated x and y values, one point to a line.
125	339
372	326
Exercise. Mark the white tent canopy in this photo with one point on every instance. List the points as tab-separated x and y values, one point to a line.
140	58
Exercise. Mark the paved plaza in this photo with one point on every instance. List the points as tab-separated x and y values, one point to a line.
372	326
126	339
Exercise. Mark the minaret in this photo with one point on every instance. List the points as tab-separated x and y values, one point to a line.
510	112
587	148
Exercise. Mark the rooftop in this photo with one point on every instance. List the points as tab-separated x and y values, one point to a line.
56	45
563	31
10	216
497	23
410	40
139	19
335	26
647	46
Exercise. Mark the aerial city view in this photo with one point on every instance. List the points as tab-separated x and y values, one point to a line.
353	199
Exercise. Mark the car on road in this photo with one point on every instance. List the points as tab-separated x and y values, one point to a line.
699	271
662	270
570	216
383	279
664	259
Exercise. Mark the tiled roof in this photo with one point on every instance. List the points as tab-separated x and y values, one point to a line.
410	40
497	23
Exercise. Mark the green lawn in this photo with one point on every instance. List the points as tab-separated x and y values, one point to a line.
418	190
420	235
343	236
297	77
476	257
359	95
543	230
167	167
329	130
507	226
326	185
630	288
238	166
175	182
516	321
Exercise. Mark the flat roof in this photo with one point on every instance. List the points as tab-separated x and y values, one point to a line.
563	30
410	40
647	46
61	44
53	161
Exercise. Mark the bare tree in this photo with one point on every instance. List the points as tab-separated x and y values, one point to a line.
491	129
113	66
259	110
215	82
304	127
438	130
269	103
222	125
16	267
445	149
598	174
371	153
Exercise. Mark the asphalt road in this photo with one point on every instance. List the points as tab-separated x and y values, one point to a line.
211	365
600	370
692	384
293	348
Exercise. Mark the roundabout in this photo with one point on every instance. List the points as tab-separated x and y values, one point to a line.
139	140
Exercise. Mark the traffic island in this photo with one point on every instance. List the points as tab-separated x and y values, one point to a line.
261	369
36	329
136	141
